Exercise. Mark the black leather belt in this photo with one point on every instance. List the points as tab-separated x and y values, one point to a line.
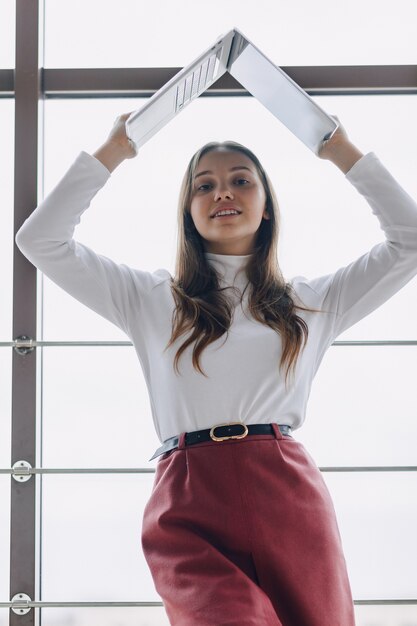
221	432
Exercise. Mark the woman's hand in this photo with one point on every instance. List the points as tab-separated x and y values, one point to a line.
339	149
118	136
117	146
329	146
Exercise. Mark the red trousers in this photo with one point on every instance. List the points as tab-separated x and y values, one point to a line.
243	532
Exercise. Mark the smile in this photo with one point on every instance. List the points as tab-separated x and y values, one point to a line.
226	215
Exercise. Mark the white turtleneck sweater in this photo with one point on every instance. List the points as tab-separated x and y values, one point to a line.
243	382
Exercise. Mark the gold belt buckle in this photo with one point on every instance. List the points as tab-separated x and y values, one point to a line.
213	436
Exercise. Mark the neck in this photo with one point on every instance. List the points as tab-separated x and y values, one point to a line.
219	254
238	248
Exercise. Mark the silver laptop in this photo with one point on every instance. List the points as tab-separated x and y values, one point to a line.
234	53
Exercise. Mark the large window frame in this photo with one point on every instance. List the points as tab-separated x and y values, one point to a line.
28	84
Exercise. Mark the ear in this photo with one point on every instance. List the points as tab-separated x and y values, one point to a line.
266	215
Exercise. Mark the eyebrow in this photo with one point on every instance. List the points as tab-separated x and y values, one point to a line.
236	167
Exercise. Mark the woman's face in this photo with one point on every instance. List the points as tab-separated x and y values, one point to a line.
227	179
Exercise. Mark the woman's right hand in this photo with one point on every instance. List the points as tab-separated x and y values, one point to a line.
117	146
118	136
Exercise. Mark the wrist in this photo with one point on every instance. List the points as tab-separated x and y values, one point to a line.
111	154
345	155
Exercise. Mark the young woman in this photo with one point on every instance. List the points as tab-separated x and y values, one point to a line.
240	528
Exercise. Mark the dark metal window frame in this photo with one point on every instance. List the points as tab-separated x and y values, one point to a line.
28	84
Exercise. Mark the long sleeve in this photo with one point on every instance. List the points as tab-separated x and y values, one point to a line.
46	240
354	291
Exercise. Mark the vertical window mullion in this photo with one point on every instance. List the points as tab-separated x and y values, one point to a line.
23	445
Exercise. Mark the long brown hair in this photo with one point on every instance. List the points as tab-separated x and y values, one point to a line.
201	305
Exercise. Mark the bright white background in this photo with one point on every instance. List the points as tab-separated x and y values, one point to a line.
362	409
7	33
136	33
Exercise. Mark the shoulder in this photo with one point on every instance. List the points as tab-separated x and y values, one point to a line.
311	291
147	281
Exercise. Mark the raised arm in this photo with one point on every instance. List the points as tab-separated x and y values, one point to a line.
354	291
46	237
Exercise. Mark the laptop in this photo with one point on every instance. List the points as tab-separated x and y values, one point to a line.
268	83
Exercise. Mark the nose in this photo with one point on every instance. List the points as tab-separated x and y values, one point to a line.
223	192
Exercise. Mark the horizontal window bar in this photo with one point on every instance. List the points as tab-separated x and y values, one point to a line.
388	342
146	81
38	605
6	83
78	470
145	470
384	602
31	343
371	468
129	82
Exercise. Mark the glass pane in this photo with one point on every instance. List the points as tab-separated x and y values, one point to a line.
386	615
100	519
377	515
96	410
107	616
4	544
362	407
132	219
6	215
7	36
173	33
5	405
101	523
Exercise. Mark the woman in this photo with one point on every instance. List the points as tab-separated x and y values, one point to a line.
240	528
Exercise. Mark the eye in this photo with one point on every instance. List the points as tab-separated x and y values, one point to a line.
201	187
206	185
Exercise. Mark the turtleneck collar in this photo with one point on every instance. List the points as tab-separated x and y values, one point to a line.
230	266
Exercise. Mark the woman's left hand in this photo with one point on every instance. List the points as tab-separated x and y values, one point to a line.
339	149
330	146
